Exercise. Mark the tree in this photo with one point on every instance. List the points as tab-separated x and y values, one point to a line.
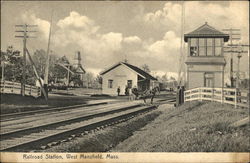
39	59
52	66
89	79
57	71
99	79
12	62
145	68
164	78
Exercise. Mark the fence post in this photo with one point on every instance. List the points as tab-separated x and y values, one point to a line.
30	90
222	95
200	94
3	85
213	94
184	96
12	87
235	98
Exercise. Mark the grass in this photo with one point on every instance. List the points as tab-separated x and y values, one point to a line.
192	127
16	103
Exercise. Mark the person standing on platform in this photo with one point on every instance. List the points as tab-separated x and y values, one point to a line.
135	93
130	96
118	91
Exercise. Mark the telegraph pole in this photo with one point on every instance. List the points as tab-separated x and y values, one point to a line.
181	70
239	51
24	36
46	73
232	37
238	70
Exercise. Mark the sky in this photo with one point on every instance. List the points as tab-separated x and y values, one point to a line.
106	32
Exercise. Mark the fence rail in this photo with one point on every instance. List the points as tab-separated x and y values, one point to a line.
10	87
231	96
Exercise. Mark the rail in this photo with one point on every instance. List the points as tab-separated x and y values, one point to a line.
9	87
231	96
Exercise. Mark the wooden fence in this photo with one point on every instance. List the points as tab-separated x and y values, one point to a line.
9	87
232	96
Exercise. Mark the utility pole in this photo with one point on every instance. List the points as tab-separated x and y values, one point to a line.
233	36
181	71
238	70
46	73
239	51
24	36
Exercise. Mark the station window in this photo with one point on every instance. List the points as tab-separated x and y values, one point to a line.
210	47
218	46
206	46
110	83
193	47
129	83
202	47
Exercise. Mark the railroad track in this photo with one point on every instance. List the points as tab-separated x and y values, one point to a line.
19	115
35	137
6	117
34	140
13	128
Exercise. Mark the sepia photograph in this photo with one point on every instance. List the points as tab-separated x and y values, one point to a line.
124	81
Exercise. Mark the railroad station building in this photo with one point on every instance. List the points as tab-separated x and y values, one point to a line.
123	74
205	61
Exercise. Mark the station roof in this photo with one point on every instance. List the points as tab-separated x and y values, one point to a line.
206	31
134	68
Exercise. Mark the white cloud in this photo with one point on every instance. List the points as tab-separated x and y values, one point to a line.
159	54
99	49
132	39
168	16
81	31
197	13
78	22
112	41
43	25
165	47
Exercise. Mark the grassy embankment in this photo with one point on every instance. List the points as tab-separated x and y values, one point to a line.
193	127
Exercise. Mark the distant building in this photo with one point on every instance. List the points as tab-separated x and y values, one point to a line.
77	63
123	74
78	69
205	60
